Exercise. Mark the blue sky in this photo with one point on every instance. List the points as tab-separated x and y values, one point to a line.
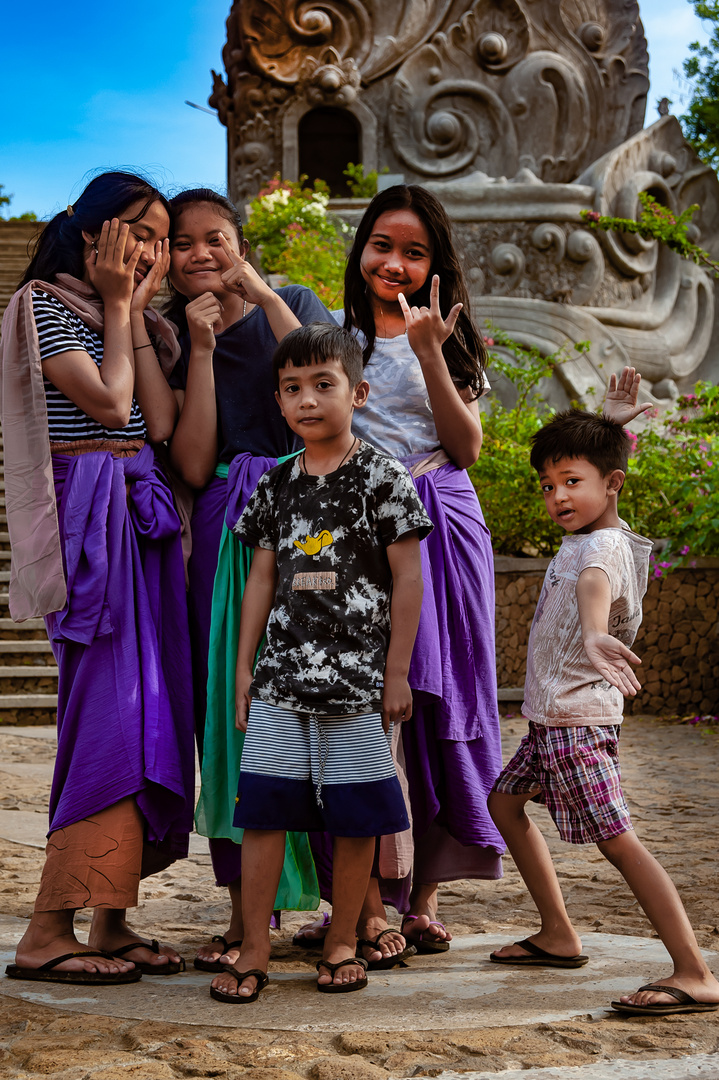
84	88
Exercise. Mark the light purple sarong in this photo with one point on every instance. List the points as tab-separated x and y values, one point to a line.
125	723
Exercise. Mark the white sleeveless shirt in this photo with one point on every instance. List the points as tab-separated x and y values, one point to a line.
398	415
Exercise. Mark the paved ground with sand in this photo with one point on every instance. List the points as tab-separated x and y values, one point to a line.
452	1016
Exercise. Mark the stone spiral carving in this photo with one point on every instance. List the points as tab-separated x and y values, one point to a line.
584	248
549	236
508	260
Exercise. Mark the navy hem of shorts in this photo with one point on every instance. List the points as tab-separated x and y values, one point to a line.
375	808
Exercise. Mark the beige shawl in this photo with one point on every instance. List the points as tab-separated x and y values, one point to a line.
37	580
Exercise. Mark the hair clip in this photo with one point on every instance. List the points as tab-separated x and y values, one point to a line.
70	211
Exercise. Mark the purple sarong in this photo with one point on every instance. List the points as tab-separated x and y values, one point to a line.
452	742
121	642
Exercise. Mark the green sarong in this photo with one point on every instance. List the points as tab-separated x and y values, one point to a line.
298	889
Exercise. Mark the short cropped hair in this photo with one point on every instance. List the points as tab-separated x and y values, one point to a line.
317	343
578	434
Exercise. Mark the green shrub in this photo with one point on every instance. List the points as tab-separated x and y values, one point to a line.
296	236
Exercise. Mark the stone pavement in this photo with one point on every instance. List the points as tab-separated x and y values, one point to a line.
453	992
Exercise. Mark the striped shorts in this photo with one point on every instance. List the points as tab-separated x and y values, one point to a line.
575	772
310	774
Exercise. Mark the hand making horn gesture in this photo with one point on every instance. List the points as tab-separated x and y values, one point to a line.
242	278
426	329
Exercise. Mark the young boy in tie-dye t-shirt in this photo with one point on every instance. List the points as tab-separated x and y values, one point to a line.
336	585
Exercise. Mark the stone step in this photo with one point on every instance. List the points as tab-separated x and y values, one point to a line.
28	701
510	693
29	624
28	671
23	648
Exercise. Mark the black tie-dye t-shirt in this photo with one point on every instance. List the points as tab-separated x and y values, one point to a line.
328	632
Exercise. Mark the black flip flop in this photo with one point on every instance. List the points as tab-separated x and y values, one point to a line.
386	962
172	967
342	988
539	958
241	999
214	965
45	972
685	1003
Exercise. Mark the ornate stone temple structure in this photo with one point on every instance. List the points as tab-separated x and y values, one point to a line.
518	114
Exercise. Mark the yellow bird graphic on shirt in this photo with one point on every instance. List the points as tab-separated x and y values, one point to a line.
312	545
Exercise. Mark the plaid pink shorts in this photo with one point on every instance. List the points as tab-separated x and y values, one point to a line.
575	772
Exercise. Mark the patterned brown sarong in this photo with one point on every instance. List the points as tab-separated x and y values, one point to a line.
95	862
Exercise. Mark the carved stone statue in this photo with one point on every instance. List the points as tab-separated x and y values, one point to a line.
518	114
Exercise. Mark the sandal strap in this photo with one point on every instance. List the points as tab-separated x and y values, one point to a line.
673	991
355	961
220	937
372	943
72	955
154	945
261	976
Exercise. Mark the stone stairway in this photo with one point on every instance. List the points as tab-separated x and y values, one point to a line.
16	237
28	675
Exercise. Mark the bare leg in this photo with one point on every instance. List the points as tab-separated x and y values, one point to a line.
660	902
423	902
212	952
110	931
351	867
263	853
372	920
50	934
531	855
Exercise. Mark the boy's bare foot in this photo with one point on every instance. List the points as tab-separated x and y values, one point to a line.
704	990
248	959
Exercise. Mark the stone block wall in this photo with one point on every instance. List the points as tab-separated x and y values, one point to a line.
678	640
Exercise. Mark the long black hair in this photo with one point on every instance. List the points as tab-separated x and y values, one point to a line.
464	350
60	246
174	309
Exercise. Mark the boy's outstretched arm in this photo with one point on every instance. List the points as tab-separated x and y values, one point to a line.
609	656
405	605
620	404
257	602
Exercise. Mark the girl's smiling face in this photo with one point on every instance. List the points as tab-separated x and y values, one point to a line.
397	257
197	260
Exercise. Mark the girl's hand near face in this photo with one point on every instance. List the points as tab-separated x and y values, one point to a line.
110	275
426	329
148	289
242	278
203	315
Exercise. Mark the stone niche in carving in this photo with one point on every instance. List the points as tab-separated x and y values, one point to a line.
518	114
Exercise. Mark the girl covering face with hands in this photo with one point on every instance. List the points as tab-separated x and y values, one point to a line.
229	433
96	550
